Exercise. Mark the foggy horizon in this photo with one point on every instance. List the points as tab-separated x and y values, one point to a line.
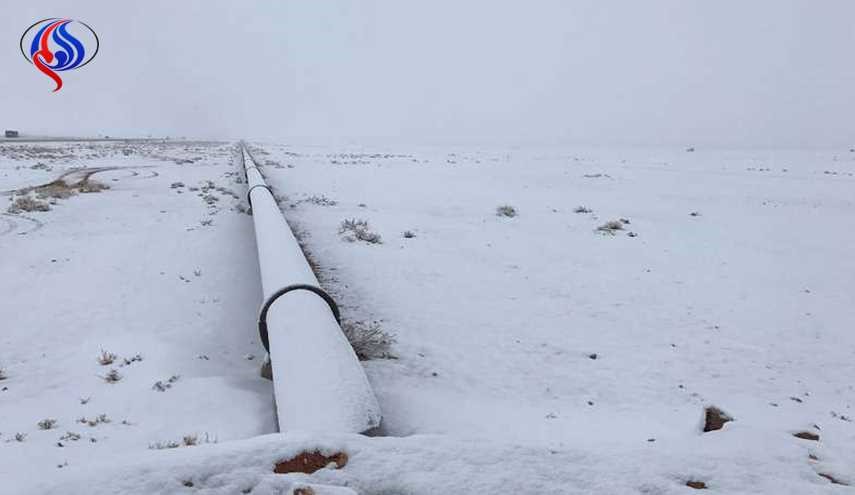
767	74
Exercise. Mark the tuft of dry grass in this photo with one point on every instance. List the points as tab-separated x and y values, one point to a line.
106	358
113	376
28	204
369	340
70	436
47	424
506	211
319	200
610	227
88	186
97	420
186	441
163	386
354	230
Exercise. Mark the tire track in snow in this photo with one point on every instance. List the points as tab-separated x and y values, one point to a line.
13	225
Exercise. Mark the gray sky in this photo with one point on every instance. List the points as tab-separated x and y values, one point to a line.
765	73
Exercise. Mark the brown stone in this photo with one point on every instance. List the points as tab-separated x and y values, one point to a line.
833	479
807	435
697	485
715	419
309	462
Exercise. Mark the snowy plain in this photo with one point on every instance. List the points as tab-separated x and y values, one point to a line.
534	354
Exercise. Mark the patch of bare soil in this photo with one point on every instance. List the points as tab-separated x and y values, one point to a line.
309	462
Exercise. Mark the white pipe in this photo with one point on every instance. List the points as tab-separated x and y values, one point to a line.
318	381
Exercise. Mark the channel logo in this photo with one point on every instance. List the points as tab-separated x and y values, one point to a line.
58	45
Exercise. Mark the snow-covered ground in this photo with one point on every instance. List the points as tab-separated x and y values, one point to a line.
534	354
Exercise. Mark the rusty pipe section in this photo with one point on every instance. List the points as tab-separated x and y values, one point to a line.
318	382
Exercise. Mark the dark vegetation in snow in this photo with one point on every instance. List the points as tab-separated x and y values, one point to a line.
47	424
506	211
353	230
368	340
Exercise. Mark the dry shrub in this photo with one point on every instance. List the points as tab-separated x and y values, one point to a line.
28	204
506	211
354	230
369	340
610	227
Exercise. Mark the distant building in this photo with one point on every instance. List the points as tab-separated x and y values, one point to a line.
11	134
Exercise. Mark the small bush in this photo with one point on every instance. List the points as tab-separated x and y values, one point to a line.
28	204
506	211
164	445
369	340
106	358
89	186
186	441
582	209
409	234
129	361
163	386
611	227
358	230
70	436
97	420
113	376
47	424
20	437
320	200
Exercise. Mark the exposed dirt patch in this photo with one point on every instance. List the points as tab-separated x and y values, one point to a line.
697	485
715	418
309	462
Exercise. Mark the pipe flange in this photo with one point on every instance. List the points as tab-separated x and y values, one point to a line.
262	315
249	192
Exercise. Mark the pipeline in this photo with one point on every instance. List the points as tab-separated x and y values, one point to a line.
318	382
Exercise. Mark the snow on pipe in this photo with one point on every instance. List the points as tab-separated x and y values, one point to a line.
318	382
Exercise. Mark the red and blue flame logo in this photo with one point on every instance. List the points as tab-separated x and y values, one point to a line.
58	45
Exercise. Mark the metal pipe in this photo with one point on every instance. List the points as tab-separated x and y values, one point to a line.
318	381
